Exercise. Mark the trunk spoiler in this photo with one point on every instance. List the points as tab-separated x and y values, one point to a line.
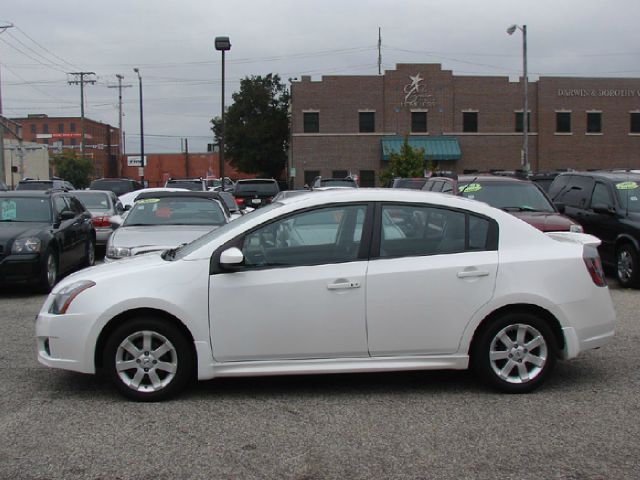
574	237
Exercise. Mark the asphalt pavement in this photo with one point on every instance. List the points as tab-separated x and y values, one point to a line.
583	424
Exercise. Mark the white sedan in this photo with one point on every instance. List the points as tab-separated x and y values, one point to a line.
350	280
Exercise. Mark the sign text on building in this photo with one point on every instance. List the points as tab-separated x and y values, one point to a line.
598	92
134	161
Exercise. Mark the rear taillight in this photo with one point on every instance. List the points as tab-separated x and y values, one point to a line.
100	222
594	265
239	201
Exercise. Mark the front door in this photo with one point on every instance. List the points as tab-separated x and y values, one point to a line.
300	293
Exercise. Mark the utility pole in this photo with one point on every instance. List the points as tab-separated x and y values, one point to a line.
80	80
120	115
379	51
3	175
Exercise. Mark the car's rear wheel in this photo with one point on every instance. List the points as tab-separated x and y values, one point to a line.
49	275
627	266
515	353
148	359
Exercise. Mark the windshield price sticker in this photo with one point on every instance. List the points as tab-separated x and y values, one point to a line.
626	186
471	187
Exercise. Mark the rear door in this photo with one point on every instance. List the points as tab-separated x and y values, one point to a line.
435	268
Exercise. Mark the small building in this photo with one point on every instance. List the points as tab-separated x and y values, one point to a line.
26	159
349	124
64	133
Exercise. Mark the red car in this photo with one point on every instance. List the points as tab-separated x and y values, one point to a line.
522	198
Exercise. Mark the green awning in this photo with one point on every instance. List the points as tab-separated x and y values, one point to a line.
435	148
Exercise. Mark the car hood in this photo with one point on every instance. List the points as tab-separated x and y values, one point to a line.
11	230
546	221
157	237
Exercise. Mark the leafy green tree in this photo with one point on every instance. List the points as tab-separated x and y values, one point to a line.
257	126
74	169
409	162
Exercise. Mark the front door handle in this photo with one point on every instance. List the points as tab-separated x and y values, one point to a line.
472	273
343	285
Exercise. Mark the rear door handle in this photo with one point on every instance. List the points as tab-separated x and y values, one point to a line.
343	285
472	273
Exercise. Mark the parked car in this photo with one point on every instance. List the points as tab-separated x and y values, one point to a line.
521	198
607	205
163	220
36	184
103	204
347	182
216	184
412	183
119	186
255	192
193	184
351	280
43	235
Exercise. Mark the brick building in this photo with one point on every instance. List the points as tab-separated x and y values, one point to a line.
64	133
349	124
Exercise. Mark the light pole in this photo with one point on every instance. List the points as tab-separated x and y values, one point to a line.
141	128
525	113
222	44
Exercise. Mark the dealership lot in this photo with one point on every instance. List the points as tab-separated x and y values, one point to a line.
581	424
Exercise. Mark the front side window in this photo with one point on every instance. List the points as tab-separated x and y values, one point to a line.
469	121
311	122
594	122
563	122
315	237
417	230
367	122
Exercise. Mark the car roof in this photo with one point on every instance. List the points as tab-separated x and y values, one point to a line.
491	178
606	174
257	180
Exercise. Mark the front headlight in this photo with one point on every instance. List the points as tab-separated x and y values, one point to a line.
62	299
26	245
576	228
118	252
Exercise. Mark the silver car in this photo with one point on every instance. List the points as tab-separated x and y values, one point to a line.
164	220
103	204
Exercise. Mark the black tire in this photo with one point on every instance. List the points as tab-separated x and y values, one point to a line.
627	269
168	359
515	353
50	271
89	253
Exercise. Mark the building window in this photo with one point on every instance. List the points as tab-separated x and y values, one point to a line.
635	122
45	128
33	128
594	122
469	121
367	122
419	122
61	128
72	127
563	122
311	121
72	141
519	125
367	178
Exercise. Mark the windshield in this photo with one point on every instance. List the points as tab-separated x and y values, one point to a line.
25	209
93	201
194	185
175	211
268	187
209	237
509	196
337	182
629	196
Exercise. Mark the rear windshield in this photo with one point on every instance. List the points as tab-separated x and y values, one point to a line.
93	200
509	196
193	185
116	186
266	187
176	211
414	183
337	182
35	185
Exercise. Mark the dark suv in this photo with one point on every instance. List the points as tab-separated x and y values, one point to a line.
119	186
607	205
255	192
43	234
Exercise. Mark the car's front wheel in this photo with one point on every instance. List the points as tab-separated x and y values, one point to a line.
49	275
90	253
148	359
627	266
515	353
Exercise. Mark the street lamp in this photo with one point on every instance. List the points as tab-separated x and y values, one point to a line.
137	70
525	113
222	44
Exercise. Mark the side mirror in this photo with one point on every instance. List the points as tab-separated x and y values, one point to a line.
231	257
602	208
127	207
560	206
116	221
67	215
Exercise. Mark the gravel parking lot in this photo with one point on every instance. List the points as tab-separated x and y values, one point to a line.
582	425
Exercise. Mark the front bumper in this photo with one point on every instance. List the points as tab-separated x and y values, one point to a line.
20	269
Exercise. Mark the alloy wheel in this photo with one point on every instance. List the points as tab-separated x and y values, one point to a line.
625	265
518	353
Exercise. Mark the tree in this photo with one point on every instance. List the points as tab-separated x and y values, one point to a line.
409	162
257	126
74	169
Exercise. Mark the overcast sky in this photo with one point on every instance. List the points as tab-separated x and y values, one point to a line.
171	43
